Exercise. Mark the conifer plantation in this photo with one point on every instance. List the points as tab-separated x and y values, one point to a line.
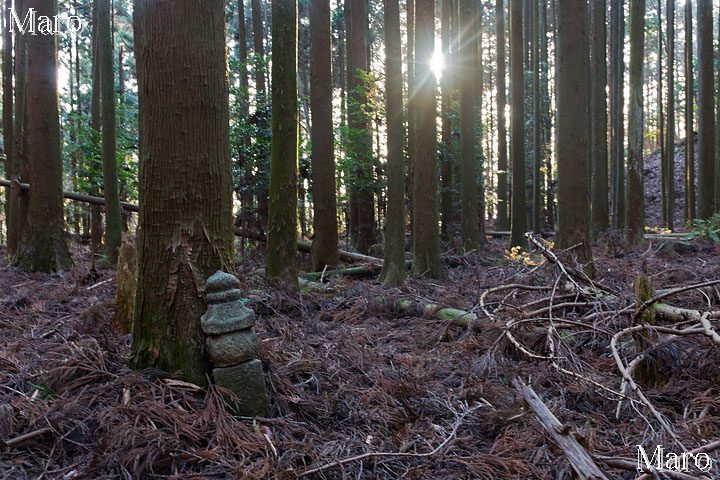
368	239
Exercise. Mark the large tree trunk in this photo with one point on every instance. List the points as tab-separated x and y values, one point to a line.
185	230
517	83
20	166
262	179
573	84
7	80
427	237
635	207
113	222
689	105
325	243
281	259
502	186
411	113
706	112
537	204
96	225
467	73
617	115
670	138
43	247
446	144
598	78
480	158
361	137
393	272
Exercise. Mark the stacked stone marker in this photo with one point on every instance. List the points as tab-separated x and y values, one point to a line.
233	345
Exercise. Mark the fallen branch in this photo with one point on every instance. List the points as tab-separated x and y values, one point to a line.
435	451
28	436
579	458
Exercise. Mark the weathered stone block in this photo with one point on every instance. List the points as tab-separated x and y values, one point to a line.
233	348
247	382
226	318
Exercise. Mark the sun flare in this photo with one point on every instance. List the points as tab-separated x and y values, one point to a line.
437	63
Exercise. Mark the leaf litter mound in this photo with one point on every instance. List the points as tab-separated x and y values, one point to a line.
360	384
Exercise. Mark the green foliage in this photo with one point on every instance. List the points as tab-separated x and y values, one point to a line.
709	228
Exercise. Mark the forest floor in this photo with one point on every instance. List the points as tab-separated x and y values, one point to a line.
352	374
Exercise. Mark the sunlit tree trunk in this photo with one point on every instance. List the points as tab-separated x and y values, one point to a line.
573	83
517	82
393	272
185	230
635	214
411	107
689	117
43	247
426	249
706	113
281	258
446	151
502	186
670	138
113	223
598	108
325	243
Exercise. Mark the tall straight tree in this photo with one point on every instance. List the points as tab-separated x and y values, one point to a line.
20	167
393	272
689	114
468	72
706	112
281	258
411	108
259	48
361	137
113	221
670	127
537	204
617	115
426	238
502	185
598	109
185	230
43	247
572	140
7	81
635	213
446	151
325	243
96	224
517	82
479	82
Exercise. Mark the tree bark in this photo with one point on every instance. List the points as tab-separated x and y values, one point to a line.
573	84
670	138
281	259
467	74
635	214
96	224
598	78
43	247
519	205
393	272
185	230
426	236
689	105
113	222
325	243
502	187
411	107
706	113
537	204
